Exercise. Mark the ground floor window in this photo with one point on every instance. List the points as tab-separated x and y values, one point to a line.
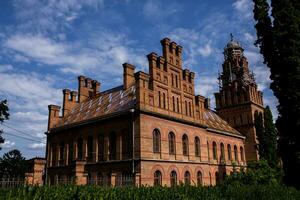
157	178
173	178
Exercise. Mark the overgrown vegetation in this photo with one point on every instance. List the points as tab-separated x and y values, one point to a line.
4	115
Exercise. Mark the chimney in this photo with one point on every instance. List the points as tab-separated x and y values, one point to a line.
96	87
128	75
207	103
66	99
53	117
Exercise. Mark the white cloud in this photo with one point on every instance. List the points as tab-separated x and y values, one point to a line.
7	144
244	7
153	10
206	50
37	146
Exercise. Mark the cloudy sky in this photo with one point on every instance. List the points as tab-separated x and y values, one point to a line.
45	45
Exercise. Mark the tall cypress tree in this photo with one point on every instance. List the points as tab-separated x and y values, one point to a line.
260	133
279	42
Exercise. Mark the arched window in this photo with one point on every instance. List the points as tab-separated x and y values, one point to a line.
156	141
79	148
199	178
197	147
242	154
157	178
90	181
187	178
229	152
185	145
235	153
222	151
172	143
208	153
173	178
217	178
100	179
215	154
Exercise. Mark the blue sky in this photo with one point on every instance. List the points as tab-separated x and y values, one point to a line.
45	45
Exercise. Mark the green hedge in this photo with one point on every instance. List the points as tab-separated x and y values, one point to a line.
253	192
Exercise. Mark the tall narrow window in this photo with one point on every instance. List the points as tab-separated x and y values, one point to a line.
178	105
90	147
173	178
186	108
172	143
159	99
101	147
235	153
222	152
208	153
164	100
197	147
156	141
229	152
79	148
176	80
173	101
242	154
190	108
199	178
61	150
185	145
157	178
215	154
112	145
172	79
187	178
71	152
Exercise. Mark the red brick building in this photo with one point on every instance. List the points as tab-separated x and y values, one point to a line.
153	127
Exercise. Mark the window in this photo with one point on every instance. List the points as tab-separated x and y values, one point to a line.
235	153
90	147
187	178
185	145
199	178
112	145
197	147
79	147
164	100
156	141
99	179
172	79
176	80
242	154
159	99
101	147
186	108
172	143
208	154
173	101
215	155
190	108
157	178
178	110
217	178
229	152
71	151
222	151
241	119
61	150
173	178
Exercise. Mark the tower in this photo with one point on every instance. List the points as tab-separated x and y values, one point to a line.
238	98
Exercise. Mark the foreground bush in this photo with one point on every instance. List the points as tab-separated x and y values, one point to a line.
143	193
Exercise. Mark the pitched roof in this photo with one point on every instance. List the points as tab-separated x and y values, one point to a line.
117	99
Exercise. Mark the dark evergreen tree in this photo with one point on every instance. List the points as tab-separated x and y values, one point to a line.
3	116
260	133
279	42
270	138
13	165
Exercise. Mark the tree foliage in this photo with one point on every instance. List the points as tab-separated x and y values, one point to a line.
12	165
4	115
279	41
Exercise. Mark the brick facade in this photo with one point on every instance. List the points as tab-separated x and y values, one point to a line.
152	128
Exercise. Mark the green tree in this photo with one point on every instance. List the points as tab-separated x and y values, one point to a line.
279	41
260	133
13	165
4	115
270	138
